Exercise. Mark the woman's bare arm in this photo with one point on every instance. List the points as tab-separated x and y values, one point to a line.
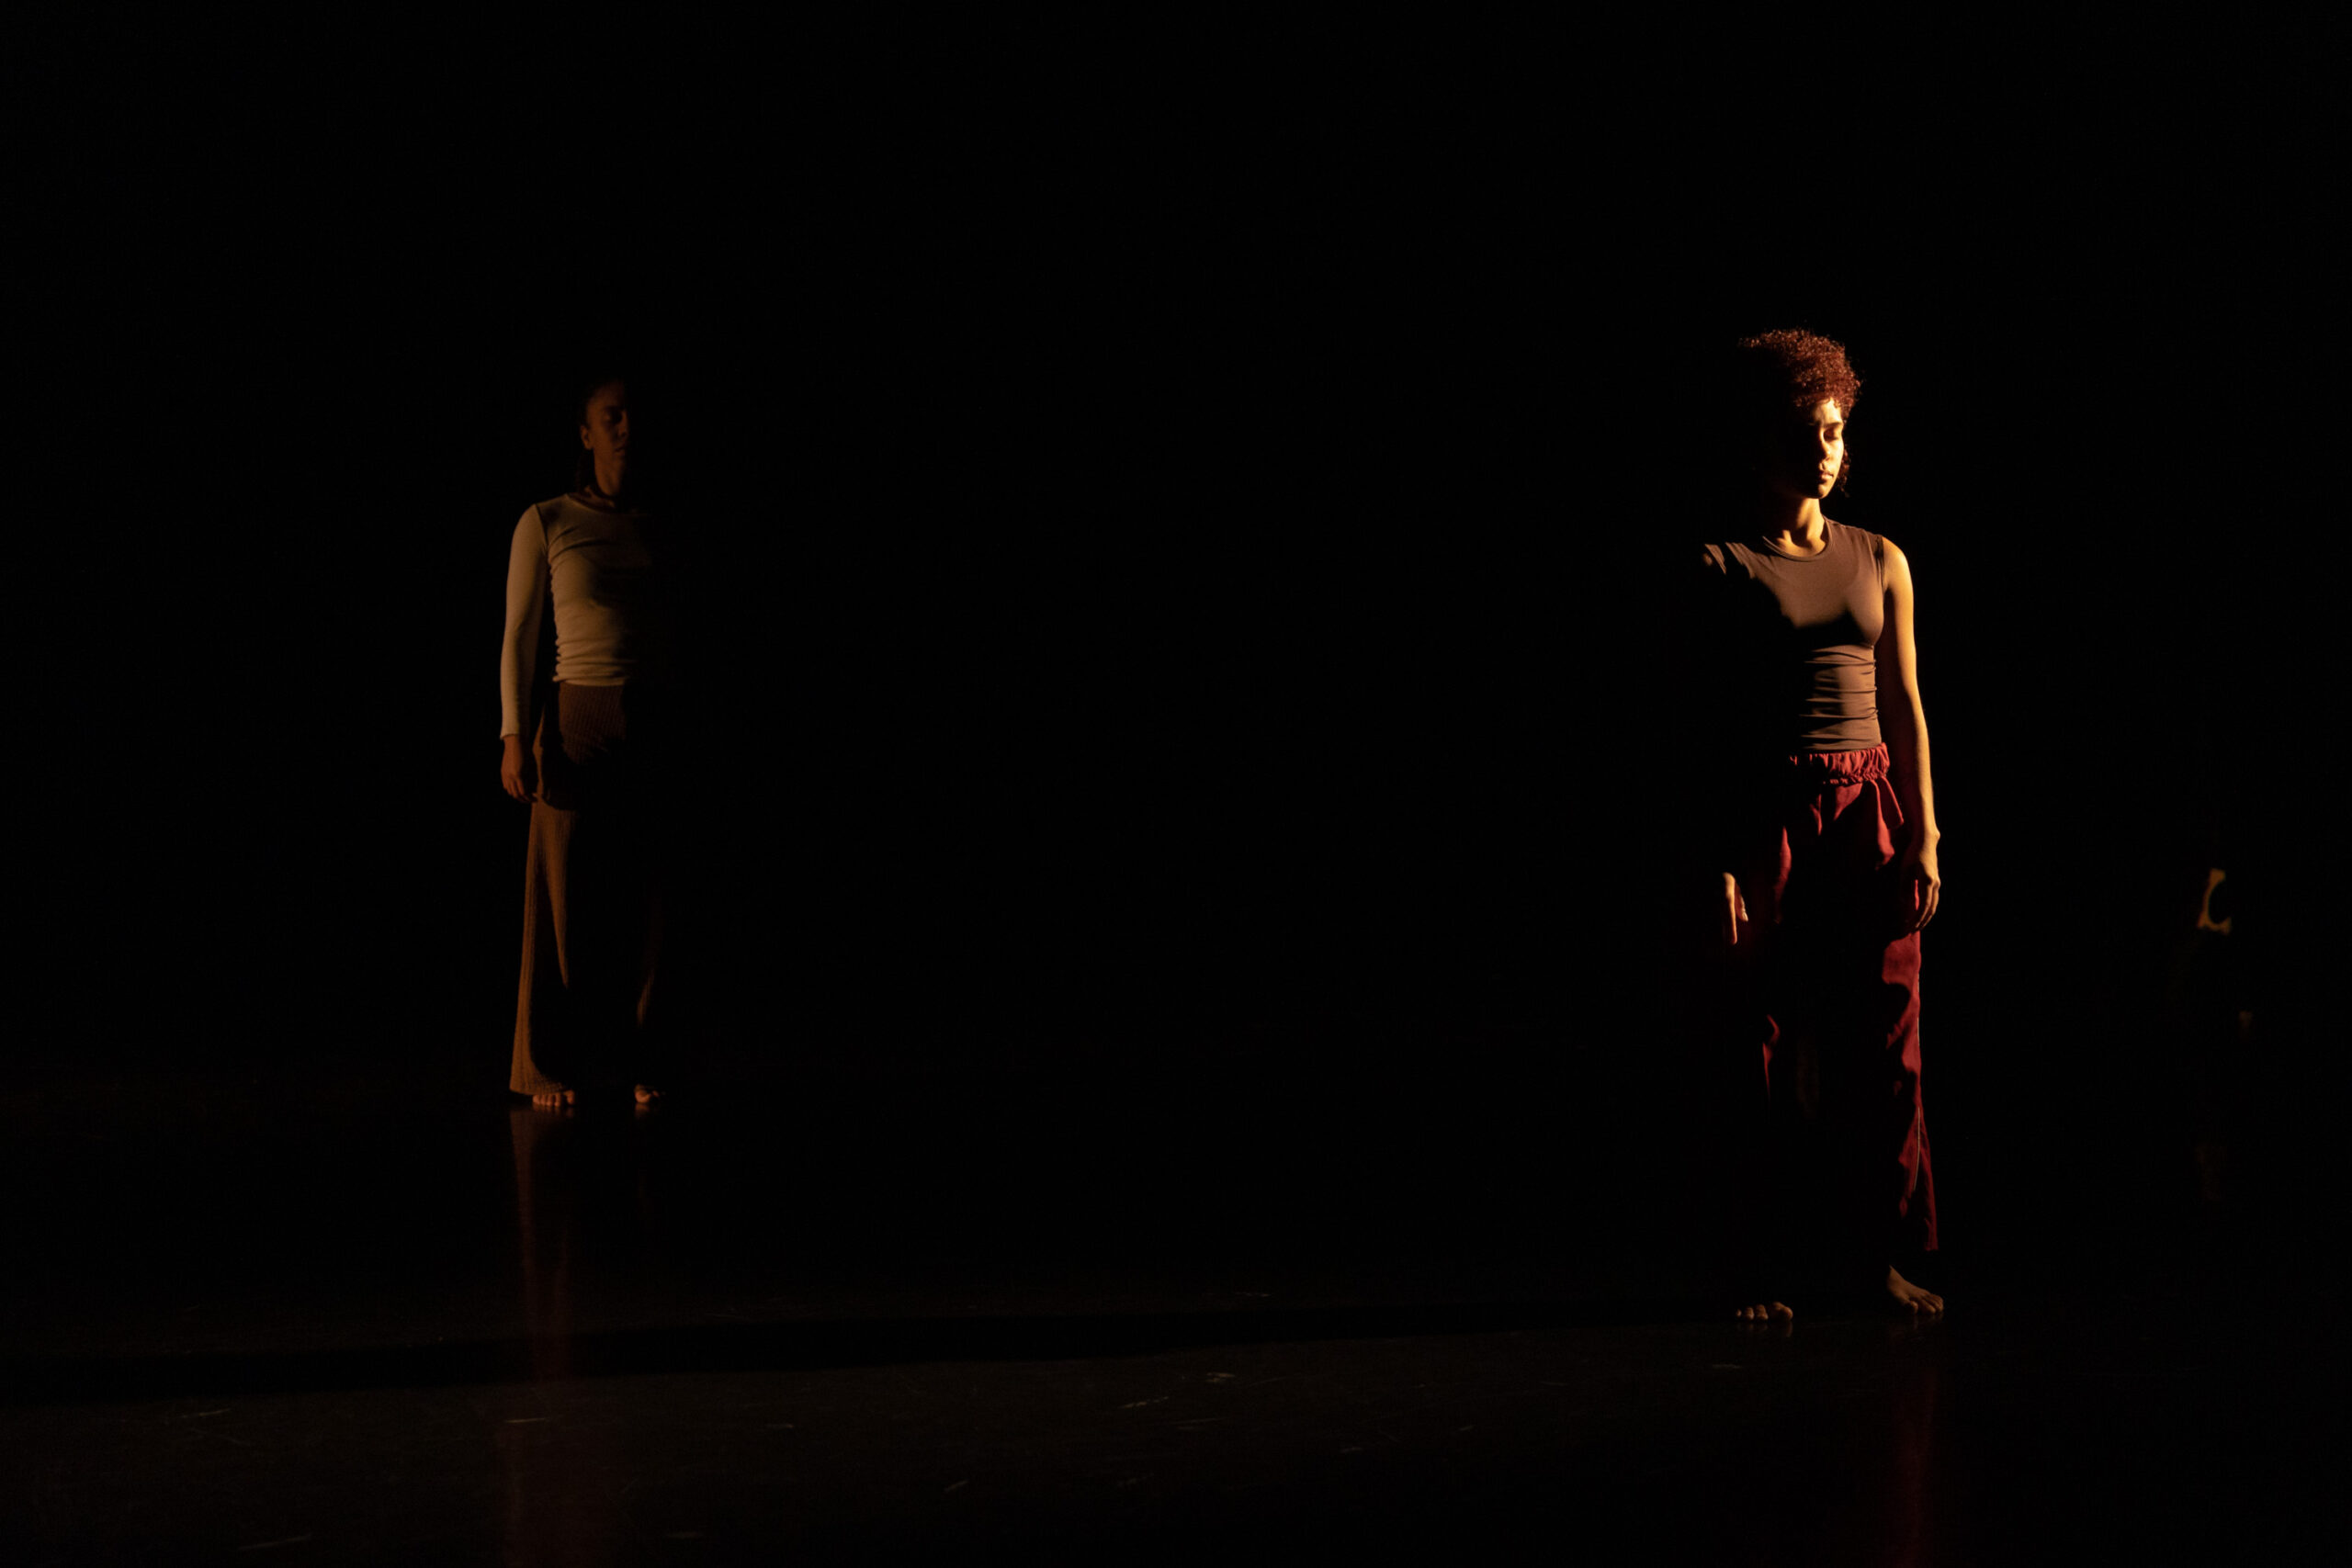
519	652
1903	719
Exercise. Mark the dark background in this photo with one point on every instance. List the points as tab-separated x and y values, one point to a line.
1178	525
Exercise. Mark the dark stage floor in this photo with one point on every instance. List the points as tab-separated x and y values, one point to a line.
360	1322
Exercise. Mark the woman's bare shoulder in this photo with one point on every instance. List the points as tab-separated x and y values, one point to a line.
1893	566
1878	540
1884	549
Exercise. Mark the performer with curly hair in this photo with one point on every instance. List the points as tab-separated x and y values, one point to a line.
1818	837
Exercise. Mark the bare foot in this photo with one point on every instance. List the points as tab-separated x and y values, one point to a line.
1765	1312
1909	1297
553	1098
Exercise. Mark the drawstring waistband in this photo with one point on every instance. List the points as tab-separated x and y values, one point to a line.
1837	767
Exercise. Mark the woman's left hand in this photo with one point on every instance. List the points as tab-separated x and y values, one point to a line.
1916	870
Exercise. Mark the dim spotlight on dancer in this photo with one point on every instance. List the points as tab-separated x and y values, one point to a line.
581	678
1815	819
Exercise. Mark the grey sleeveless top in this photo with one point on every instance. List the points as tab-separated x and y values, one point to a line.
1802	634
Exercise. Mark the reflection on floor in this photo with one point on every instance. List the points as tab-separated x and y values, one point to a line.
390	1329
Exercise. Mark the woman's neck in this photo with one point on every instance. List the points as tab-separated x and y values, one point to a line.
1796	525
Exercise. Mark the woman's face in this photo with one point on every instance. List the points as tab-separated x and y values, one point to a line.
1801	461
603	429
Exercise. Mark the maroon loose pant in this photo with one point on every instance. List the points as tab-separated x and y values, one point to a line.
1816	1013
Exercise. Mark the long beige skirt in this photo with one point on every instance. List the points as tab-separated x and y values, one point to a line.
585	1014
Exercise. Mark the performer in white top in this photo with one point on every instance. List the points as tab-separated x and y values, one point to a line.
580	743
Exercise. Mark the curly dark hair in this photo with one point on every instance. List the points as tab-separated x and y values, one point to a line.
1795	369
1789	371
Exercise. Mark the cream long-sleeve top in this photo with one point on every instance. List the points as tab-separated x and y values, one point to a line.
598	564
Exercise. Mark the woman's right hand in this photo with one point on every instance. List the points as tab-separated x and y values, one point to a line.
514	769
1732	910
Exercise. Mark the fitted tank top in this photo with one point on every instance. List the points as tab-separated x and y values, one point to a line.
1801	634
